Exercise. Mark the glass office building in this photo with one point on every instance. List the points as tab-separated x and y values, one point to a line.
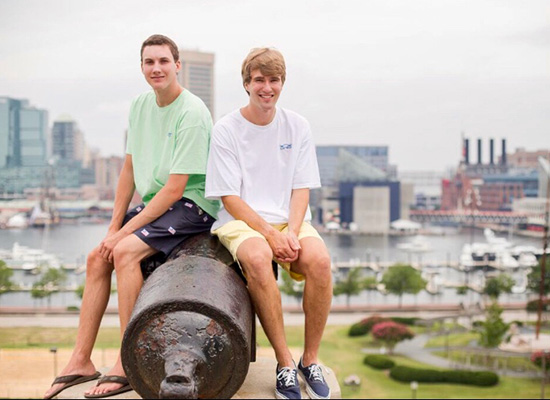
23	134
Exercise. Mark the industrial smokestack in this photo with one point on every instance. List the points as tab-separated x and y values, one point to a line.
479	151
466	151
492	151
503	159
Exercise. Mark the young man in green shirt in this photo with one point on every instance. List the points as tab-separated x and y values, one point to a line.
167	149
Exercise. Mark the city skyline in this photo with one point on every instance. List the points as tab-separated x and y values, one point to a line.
363	73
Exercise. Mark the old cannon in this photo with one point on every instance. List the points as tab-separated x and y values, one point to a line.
192	331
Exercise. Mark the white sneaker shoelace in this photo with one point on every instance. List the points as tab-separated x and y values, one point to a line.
288	375
315	373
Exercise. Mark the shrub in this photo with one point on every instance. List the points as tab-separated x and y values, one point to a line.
391	333
405	321
533	305
477	324
357	330
537	357
378	361
475	378
371	321
364	326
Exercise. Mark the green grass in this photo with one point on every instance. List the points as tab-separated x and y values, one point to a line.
455	339
39	337
514	363
340	352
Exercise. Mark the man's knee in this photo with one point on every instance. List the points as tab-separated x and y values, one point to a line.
123	257
96	265
256	262
317	267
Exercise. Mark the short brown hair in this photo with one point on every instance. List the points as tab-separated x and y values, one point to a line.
268	60
159	40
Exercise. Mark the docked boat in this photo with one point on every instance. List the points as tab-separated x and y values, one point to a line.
27	259
418	244
497	253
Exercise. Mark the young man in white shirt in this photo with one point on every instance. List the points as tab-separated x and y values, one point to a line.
262	164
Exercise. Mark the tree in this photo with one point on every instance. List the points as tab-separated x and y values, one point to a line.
536	358
48	284
533	279
6	284
400	279
493	328
391	333
352	284
80	291
291	287
462	290
497	285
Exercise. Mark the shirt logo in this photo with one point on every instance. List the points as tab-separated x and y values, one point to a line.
138	209
171	230
144	232
285	146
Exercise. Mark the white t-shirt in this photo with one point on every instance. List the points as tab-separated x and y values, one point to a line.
261	164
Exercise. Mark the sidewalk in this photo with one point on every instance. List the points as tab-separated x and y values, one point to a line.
69	319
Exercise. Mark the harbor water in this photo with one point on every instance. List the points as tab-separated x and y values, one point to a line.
71	243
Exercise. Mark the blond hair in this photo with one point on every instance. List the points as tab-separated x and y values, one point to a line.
268	60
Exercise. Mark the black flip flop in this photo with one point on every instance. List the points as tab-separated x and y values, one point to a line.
111	378
71	380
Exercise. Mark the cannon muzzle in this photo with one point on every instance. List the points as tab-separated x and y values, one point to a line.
191	334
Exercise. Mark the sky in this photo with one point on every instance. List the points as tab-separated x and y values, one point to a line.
414	75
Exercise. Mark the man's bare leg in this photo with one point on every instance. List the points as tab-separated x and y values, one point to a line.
255	256
127	257
314	264
94	301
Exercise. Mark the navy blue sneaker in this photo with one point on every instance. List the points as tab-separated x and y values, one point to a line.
287	384
316	386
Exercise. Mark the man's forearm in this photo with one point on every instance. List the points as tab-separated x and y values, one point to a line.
240	210
299	201
163	200
124	193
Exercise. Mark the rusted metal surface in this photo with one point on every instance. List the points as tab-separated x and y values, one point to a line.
191	331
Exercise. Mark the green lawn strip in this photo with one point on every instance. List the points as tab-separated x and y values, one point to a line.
454	339
514	363
341	353
41	337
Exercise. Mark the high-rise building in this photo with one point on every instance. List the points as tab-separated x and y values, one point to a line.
23	139
107	171
197	75
330	157
67	141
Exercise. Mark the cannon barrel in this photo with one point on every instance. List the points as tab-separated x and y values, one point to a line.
191	334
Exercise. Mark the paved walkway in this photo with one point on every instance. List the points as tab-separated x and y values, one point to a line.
10	317
415	350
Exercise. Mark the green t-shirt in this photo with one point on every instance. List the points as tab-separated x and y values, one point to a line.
170	140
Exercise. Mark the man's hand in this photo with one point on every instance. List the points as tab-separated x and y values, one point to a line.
108	244
283	247
294	244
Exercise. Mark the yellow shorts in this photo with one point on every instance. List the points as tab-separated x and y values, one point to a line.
236	232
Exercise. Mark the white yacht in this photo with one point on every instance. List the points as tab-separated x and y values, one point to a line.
418	244
497	253
25	258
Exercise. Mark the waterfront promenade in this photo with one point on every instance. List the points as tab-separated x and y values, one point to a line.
293	316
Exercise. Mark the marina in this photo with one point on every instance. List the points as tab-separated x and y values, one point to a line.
438	257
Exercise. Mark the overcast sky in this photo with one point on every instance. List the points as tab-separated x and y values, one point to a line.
409	74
